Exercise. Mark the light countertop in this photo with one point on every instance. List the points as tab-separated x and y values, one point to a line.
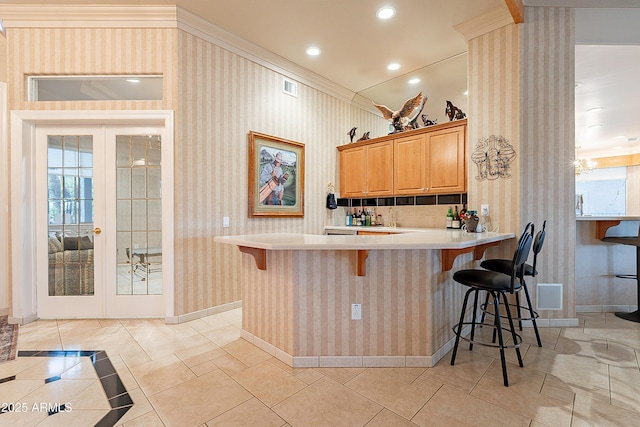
607	218
429	238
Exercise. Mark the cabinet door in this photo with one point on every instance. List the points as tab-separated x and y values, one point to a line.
446	168
409	165
379	172
353	172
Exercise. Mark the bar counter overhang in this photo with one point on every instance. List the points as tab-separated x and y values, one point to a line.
298	289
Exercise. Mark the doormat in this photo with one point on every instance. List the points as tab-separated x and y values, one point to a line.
8	339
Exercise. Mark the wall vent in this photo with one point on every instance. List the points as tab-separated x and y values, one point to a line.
290	87
549	296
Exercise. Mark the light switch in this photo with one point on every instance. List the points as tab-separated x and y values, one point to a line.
225	222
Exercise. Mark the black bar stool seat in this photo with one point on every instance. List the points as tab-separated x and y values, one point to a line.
633	316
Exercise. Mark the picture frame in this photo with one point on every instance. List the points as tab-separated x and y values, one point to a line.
276	177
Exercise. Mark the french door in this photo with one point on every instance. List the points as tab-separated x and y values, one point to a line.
99	216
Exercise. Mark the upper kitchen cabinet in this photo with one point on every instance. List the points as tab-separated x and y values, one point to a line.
366	169
423	161
431	162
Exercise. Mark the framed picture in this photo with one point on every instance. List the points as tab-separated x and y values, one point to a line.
276	177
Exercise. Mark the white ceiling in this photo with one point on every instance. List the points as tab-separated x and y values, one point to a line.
356	48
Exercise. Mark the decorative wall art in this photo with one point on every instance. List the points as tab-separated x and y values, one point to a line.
276	177
493	156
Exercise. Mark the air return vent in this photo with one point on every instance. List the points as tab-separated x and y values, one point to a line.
290	87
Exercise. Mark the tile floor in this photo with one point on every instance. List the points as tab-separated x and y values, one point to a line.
201	373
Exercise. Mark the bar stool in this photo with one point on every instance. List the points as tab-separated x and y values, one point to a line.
504	266
631	241
496	285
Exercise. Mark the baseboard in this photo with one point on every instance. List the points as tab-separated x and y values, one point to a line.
174	320
604	308
23	320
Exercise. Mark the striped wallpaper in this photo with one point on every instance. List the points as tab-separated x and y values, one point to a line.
521	87
223	96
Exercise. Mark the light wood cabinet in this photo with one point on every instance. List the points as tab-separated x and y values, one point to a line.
428	160
430	163
366	170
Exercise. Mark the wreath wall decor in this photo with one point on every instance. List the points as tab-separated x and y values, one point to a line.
493	156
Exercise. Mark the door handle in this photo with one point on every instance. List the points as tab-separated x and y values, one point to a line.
96	230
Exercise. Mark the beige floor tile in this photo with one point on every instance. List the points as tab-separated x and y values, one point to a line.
588	412
150	419
82	370
250	413
304	374
19	364
159	375
452	407
341	375
407	375
223	334
386	418
74	418
269	383
141	406
565	390
92	397
229	364
15	391
469	368
204	368
246	352
203	398
396	395
200	354
522	396
60	391
625	388
50	366
574	368
327	403
23	419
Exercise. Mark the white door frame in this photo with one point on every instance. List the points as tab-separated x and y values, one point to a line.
23	202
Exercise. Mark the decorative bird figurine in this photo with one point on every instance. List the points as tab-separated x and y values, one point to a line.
400	119
453	112
365	136
352	133
413	123
427	121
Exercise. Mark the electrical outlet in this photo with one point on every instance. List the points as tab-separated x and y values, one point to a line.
484	210
356	311
225	222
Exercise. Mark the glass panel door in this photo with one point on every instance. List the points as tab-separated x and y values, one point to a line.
68	176
139	215
99	214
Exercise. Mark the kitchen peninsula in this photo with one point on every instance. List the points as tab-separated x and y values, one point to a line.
298	291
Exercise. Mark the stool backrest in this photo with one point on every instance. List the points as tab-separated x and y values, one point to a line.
537	246
520	256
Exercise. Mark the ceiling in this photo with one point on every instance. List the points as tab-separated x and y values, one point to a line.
357	47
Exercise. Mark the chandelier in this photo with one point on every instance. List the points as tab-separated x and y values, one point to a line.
582	165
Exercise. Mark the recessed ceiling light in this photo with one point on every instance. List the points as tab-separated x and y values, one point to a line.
616	148
466	92
133	80
313	51
385	12
597	125
393	66
414	80
591	110
622	136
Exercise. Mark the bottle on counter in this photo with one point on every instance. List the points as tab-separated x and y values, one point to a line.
450	218
353	218
455	223
367	218
374	218
463	213
347	218
362	217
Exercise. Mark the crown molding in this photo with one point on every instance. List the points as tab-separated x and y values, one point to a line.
89	16
199	27
483	24
66	16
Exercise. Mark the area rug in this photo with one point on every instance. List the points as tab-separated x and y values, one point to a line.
8	340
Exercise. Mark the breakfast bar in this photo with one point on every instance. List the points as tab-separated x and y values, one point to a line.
298	291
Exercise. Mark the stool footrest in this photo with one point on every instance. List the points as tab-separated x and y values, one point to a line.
483	307
517	344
